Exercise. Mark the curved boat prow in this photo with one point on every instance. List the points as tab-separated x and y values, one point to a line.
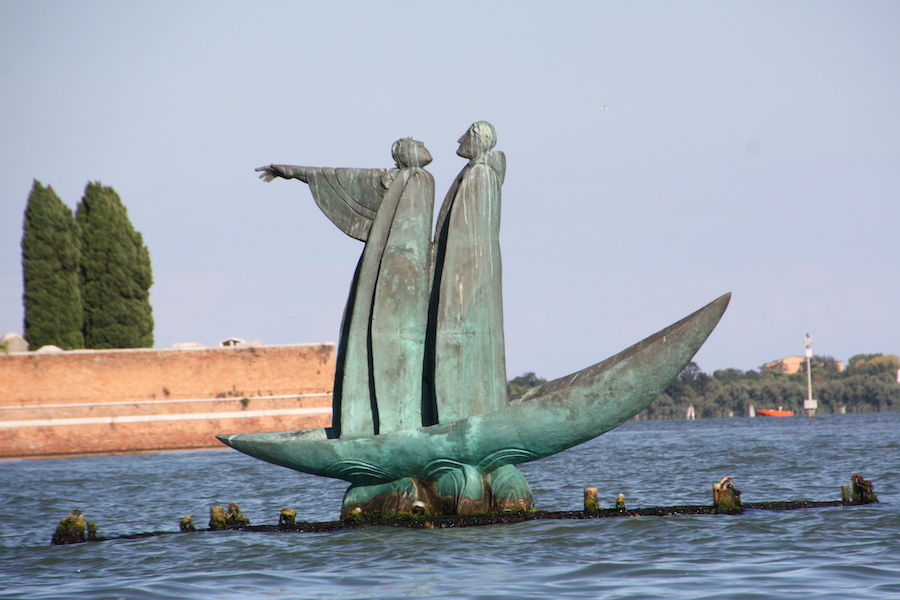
545	420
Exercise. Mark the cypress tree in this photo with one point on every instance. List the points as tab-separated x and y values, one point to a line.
50	269
115	273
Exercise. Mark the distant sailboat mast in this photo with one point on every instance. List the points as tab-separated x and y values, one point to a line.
809	405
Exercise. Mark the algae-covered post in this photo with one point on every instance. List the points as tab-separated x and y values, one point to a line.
71	530
217	518
862	491
726	497
187	524
286	518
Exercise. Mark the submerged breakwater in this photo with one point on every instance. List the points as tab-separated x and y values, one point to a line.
828	552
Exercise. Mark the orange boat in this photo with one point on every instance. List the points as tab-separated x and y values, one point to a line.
768	412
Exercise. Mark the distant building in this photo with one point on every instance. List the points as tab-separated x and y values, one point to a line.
788	366
793	364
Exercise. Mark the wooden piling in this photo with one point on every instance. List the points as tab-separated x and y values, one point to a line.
591	501
286	518
620	502
187	524
217	518
234	517
71	530
726	497
862	491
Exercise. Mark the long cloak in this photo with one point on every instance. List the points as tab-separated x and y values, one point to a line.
378	380
465	339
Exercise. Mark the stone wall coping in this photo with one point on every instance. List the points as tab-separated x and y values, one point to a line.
168	349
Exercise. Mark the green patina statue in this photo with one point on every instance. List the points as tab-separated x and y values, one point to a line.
422	422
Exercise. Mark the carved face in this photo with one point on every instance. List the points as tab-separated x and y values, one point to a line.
467	144
410	153
479	138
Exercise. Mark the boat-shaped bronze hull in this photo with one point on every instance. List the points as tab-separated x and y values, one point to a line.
545	420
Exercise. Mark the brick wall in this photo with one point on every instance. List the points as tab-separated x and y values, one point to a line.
85	401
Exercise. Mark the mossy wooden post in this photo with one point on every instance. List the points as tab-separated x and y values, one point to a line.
234	517
620	502
217	518
727	498
591	502
187	524
845	493
862	491
71	530
286	518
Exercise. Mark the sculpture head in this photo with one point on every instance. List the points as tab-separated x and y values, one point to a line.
410	153
480	138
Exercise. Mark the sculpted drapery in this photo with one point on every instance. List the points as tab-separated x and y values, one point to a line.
466	325
381	348
422	335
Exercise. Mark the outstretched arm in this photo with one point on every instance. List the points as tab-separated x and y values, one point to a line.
270	172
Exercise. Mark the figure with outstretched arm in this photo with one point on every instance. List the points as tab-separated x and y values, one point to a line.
271	172
378	378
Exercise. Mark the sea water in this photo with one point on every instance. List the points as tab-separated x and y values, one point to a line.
840	552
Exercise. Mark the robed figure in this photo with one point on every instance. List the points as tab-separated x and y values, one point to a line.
378	379
466	348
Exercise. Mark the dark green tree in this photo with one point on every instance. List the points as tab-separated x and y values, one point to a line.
115	273
50	269
524	382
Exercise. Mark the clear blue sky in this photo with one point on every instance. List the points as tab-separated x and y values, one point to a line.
747	147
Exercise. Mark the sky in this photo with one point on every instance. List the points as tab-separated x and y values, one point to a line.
659	155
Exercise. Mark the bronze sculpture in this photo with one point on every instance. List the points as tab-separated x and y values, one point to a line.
421	422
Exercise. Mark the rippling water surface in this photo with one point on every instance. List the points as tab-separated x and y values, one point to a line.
815	553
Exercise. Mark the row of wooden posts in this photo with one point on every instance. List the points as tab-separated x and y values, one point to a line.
220	520
726	500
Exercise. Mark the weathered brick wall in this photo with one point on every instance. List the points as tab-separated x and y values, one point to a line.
147	374
150	399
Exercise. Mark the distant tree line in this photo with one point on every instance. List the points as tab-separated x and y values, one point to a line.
523	383
87	275
868	384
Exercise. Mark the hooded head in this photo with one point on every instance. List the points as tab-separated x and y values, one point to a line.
479	138
410	153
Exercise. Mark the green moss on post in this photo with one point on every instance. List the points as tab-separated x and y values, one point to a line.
727	498
217	518
286	518
620	502
591	502
71	530
187	524
862	491
234	517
